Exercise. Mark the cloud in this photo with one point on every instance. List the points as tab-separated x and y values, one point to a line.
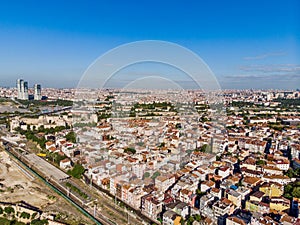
281	68
263	76
263	56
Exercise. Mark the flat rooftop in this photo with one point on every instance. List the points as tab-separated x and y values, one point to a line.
46	168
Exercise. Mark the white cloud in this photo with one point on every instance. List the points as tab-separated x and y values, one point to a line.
281	68
263	56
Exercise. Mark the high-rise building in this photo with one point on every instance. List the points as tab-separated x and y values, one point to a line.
37	92
25	93
22	87
19	84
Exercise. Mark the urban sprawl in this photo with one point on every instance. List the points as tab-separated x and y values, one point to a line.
161	156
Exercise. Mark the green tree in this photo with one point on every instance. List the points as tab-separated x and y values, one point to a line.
33	215
200	193
146	175
77	171
25	215
161	145
156	174
130	150
9	210
290	173
292	190
296	192
197	217
260	162
182	221
190	220
205	148
71	136
293	173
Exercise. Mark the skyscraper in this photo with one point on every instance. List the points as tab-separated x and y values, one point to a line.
37	92
19	84
22	87
25	93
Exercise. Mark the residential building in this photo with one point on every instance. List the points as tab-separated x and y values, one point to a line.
171	218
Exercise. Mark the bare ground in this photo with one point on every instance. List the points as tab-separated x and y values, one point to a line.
17	185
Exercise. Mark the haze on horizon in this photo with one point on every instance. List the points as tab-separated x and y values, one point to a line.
254	44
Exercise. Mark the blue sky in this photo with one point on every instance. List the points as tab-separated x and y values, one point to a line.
247	44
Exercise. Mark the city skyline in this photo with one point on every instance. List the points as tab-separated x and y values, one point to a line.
241	43
150	112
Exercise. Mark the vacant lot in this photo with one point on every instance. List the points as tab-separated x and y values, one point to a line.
16	185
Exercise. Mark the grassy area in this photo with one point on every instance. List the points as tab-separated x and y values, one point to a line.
288	103
77	190
58	102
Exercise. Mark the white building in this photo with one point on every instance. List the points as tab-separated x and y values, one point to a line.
22	88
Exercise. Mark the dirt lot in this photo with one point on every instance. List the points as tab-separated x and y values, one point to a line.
16	185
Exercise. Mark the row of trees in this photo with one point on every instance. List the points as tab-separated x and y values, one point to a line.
58	102
163	105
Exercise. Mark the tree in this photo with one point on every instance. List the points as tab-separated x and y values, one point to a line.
156	174
25	215
130	150
178	126
260	162
293	173
77	171
33	215
200	193
205	148
71	136
190	220
218	158
296	192
146	175
290	173
9	210
197	217
161	145
292	190
181	221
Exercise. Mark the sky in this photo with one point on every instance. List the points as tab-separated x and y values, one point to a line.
246	44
